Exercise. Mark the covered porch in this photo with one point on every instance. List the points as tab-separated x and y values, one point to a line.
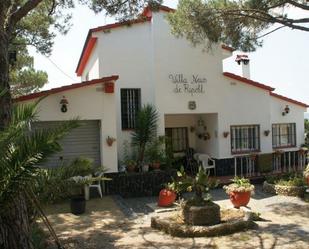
191	136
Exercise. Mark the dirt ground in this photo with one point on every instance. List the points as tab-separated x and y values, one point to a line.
105	226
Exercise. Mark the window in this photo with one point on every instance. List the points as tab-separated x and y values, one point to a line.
284	135
178	138
130	105
245	138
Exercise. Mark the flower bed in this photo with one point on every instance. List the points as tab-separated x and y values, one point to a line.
232	221
283	189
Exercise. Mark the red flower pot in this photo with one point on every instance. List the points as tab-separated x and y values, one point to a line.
240	198
109	87
166	198
307	180
156	165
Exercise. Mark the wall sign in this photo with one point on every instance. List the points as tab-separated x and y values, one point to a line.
192	105
193	84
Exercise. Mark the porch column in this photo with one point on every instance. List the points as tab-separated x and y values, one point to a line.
109	129
161	124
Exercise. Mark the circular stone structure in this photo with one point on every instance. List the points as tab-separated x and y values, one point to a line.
283	190
231	222
208	214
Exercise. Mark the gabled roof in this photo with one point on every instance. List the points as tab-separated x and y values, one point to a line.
247	81
66	88
289	100
264	87
90	41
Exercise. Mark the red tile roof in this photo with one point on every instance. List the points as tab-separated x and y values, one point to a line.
66	88
248	81
289	100
228	48
265	87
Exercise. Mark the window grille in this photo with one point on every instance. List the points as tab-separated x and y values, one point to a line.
284	135
245	138
130	105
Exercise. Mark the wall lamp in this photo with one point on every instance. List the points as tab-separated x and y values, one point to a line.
286	110
64	104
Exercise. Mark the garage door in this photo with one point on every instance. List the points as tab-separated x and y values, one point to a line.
82	141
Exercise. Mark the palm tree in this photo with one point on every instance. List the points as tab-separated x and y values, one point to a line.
21	150
145	130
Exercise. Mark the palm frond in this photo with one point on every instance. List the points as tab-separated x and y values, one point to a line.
22	150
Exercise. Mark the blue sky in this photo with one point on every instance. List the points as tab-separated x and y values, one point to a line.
282	62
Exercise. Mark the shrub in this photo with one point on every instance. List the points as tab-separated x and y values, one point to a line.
289	179
52	185
294	181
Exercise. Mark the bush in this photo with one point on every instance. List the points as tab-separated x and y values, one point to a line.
290	179
52	185
295	181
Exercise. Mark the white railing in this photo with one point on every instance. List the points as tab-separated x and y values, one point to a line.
246	164
283	161
289	161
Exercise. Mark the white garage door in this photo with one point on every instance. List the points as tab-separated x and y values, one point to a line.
83	141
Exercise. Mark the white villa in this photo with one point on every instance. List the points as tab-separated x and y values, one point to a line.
125	65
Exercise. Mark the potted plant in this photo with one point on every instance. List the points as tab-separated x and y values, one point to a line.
167	196
110	140
306	174
145	131
78	201
130	165
199	210
155	152
239	191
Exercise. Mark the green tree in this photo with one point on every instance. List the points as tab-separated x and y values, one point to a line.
35	22
236	23
24	79
306	126
21	151
145	131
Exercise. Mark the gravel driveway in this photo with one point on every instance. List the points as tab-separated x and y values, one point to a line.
113	222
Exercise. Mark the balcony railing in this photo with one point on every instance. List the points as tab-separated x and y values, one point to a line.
282	162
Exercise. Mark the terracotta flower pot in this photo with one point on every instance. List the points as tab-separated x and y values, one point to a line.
240	198
109	87
166	198
131	168
155	165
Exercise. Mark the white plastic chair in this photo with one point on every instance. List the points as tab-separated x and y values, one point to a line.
97	184
207	162
196	158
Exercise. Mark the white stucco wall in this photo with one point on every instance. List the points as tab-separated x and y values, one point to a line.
126	51
145	56
86	103
296	115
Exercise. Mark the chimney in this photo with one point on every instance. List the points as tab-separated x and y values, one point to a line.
244	61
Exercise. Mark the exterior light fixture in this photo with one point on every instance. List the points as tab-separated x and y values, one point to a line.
200	122
64	104
286	110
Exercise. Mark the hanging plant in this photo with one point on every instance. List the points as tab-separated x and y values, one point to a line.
110	140
225	134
